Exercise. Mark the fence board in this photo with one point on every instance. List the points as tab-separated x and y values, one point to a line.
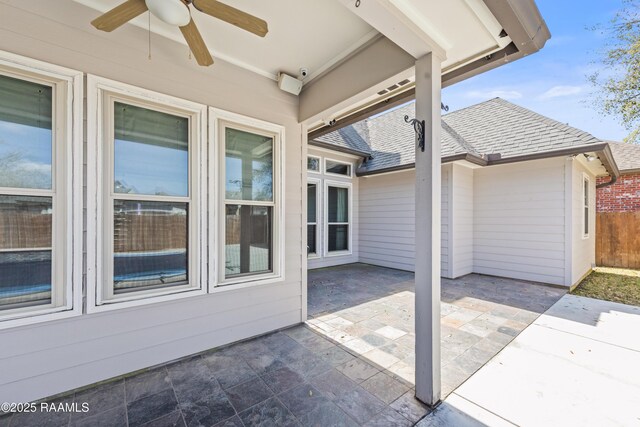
618	239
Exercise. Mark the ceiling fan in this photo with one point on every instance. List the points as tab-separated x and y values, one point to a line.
177	12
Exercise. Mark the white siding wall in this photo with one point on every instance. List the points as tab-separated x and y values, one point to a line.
322	259
387	219
519	220
462	221
48	358
583	249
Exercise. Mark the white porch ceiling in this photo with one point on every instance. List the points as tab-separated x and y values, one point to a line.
318	34
315	34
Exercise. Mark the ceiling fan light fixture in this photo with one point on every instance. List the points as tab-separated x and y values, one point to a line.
173	12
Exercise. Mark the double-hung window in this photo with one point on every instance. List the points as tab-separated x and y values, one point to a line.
313	194
37	155
250	198
338	217
585	207
150	196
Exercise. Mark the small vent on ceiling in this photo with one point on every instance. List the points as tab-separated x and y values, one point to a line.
404	82
382	92
394	87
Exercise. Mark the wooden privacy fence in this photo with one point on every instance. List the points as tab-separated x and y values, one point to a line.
618	239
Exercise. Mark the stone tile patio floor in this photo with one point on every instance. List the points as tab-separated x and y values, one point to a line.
351	364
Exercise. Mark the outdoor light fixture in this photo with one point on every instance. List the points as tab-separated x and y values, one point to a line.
590	157
173	12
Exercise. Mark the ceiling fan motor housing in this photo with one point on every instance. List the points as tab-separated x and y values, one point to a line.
173	12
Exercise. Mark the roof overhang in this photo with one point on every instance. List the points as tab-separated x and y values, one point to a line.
523	27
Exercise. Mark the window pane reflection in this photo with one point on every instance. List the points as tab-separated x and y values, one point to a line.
338	238
338	204
247	240
338	168
25	134
150	245
25	251
248	166
151	152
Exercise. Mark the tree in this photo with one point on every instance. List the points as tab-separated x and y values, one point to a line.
618	84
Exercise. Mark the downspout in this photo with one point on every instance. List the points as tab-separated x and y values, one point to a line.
608	183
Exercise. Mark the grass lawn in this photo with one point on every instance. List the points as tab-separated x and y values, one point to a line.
611	284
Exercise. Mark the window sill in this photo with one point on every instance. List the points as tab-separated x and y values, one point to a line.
338	254
40	316
117	304
246	282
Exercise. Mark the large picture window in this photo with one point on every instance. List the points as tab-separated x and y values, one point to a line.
150	196
338	212
36	215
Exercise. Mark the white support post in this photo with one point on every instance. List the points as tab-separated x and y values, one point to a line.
427	233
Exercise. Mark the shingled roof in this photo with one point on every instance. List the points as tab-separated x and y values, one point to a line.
494	127
626	155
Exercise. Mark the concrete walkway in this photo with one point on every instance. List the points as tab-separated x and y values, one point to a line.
577	365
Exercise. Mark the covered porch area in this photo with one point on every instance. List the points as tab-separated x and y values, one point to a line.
352	363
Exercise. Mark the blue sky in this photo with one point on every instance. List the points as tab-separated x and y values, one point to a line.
552	81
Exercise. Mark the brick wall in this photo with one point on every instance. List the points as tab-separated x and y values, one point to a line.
623	196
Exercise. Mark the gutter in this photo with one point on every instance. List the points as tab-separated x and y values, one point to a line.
471	158
606	157
602	150
334	147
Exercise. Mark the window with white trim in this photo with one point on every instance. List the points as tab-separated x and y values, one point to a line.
150	192
37	154
250	202
585	206
338	217
335	167
313	194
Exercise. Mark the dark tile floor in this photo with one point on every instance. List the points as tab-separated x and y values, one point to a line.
351	364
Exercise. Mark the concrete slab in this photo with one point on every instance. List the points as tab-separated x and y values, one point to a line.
577	365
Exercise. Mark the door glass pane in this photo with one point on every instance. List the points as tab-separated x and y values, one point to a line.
311	202
311	239
151	152
248	240
25	134
248	166
338	204
338	238
338	168
150	245
25	251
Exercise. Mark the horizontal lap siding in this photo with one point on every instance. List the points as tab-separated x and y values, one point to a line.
462	217
48	358
583	249
519	223
387	220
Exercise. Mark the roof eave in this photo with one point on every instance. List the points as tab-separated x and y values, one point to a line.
333	147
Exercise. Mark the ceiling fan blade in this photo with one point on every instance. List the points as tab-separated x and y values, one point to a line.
196	44
233	16
119	15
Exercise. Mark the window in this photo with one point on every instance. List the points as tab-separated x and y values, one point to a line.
37	229
250	228
338	213
313	164
337	168
149	192
585	206
313	194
